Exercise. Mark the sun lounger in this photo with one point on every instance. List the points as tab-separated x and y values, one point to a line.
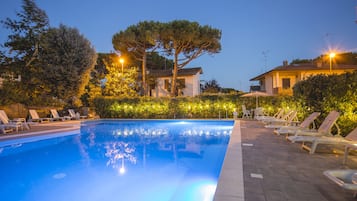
304	125
8	125
56	116
246	113
288	119
346	179
258	113
277	115
324	129
34	117
74	115
21	121
348	148
339	140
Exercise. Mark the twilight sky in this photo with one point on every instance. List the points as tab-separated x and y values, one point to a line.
257	35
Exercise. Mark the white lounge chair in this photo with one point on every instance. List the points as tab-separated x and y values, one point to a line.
56	116
277	115
345	178
34	117
304	125
246	113
16	120
351	138
324	129
288	119
258	113
8	125
74	115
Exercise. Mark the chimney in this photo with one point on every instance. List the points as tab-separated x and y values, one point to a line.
285	63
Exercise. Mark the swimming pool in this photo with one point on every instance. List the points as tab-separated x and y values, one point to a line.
141	160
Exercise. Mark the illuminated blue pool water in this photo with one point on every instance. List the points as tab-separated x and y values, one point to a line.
117	160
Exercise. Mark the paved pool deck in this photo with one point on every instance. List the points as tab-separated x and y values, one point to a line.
259	165
43	128
275	169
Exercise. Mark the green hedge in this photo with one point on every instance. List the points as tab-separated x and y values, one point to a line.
163	108
203	107
319	93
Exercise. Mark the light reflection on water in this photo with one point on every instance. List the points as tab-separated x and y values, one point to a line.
133	160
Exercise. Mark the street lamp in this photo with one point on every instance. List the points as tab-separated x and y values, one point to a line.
121	60
332	55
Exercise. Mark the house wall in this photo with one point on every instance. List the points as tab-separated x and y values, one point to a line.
160	90
192	86
274	83
269	84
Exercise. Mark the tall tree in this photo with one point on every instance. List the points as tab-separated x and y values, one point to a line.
20	54
155	61
185	41
118	83
67	59
137	40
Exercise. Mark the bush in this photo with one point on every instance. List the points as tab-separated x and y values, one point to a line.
334	92
319	93
203	107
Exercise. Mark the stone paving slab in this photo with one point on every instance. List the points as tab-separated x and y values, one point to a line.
288	172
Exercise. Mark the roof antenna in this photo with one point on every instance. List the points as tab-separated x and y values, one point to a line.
265	55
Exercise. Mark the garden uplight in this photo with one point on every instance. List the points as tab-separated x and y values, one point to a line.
121	60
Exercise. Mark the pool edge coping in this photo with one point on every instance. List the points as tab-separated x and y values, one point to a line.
230	184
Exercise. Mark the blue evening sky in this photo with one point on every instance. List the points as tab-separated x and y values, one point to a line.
257	35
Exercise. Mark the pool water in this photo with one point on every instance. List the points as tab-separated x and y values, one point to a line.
128	160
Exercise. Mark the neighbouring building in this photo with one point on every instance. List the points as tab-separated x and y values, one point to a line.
7	76
280	80
188	82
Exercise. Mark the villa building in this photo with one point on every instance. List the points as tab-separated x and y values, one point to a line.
6	76
188	82
280	80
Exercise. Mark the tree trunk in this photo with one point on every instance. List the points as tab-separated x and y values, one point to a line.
143	69
174	77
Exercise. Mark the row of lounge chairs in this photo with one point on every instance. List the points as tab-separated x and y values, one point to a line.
34	117
17	124
310	138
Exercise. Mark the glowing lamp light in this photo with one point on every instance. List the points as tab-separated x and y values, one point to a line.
331	55
202	189
208	192
121	60
122	170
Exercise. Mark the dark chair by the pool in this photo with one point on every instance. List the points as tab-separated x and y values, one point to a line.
74	115
56	116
